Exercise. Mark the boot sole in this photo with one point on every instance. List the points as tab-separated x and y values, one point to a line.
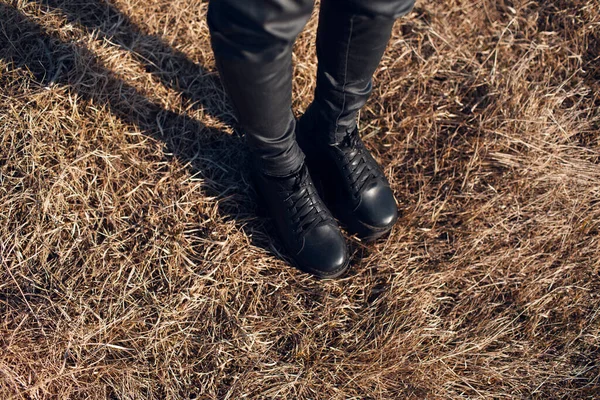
368	233
319	274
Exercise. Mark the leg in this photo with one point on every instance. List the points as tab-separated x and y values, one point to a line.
252	42
351	39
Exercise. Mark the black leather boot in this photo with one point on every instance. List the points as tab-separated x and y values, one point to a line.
349	179
307	229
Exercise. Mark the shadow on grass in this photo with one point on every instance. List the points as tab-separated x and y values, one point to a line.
213	155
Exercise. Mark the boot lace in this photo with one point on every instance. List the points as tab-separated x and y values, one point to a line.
355	162
303	203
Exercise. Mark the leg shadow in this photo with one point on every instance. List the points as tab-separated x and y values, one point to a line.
217	158
170	66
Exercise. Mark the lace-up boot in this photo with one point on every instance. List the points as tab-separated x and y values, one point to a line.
350	181
307	229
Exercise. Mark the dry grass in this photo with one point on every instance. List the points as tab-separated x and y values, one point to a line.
133	265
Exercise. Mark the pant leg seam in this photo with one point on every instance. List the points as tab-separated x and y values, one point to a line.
337	120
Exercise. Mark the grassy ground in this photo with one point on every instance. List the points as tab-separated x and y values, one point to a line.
133	265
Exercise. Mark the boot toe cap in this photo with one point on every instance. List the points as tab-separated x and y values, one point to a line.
325	253
378	208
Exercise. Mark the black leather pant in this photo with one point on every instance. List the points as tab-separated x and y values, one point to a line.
252	41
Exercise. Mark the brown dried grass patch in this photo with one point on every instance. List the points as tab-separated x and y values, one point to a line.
133	264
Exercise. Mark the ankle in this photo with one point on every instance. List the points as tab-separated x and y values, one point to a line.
322	129
283	168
